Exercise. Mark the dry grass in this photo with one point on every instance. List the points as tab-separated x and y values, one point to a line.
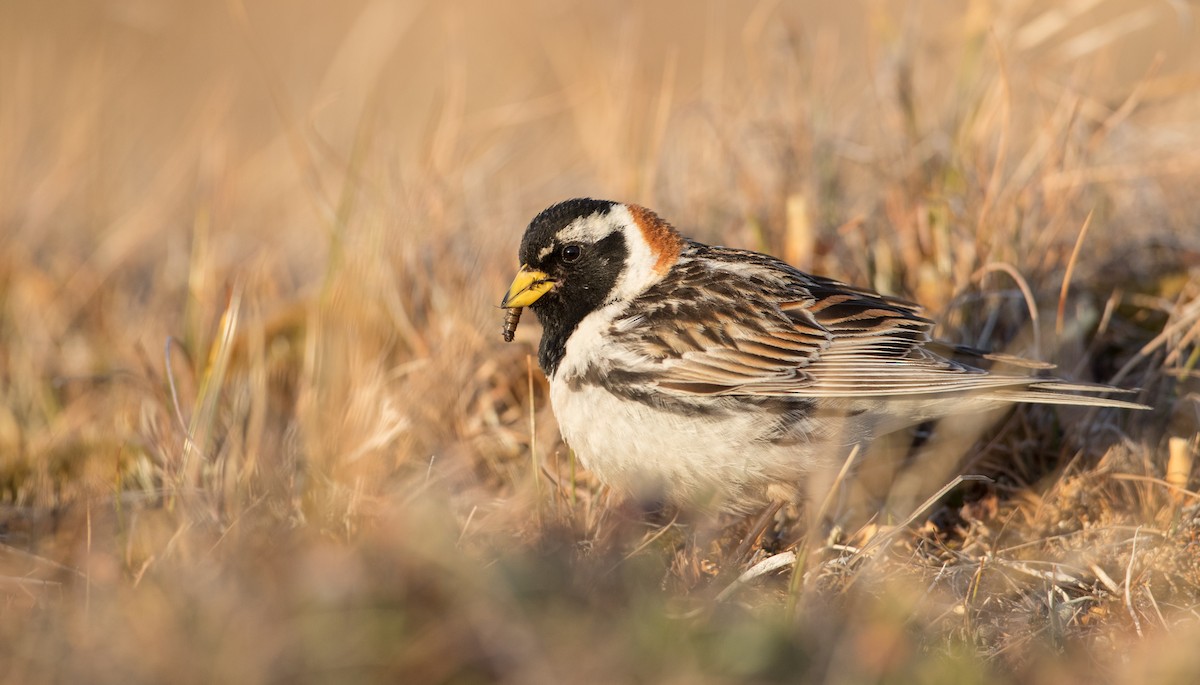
257	423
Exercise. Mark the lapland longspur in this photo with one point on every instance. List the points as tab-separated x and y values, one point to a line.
693	372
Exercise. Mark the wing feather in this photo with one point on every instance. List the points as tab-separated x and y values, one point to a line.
807	336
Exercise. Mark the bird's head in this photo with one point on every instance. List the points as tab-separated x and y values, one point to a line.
580	255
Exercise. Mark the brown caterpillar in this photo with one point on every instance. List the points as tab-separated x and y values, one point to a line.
512	317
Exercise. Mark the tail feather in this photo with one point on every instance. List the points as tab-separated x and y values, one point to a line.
1053	393
1054	385
1047	390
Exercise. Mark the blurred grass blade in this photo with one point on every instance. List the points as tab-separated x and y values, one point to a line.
212	379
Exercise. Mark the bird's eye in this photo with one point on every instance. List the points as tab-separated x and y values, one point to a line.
571	253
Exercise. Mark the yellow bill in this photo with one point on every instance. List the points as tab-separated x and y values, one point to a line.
527	288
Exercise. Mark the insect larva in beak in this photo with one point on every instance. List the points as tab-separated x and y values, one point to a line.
512	317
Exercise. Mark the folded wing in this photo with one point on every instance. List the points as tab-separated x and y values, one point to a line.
809	336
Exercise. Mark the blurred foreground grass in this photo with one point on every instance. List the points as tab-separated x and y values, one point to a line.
257	424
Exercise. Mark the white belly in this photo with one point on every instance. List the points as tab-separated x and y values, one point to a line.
654	453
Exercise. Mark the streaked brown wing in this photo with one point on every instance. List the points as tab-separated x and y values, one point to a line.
741	323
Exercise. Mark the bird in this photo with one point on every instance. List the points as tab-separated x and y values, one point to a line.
692	373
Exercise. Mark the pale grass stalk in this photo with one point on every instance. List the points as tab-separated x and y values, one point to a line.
1034	165
1102	36
1188	316
1157	611
648	541
169	368
995	183
1122	113
768	565
1110	307
1180	457
1187	340
1053	22
796	583
203	421
1106	579
1137	623
535	467
1066	282
258	390
574	486
466	525
891	532
1026	292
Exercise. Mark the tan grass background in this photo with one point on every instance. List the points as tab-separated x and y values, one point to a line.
257	423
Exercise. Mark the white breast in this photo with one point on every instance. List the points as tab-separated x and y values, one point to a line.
656	453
